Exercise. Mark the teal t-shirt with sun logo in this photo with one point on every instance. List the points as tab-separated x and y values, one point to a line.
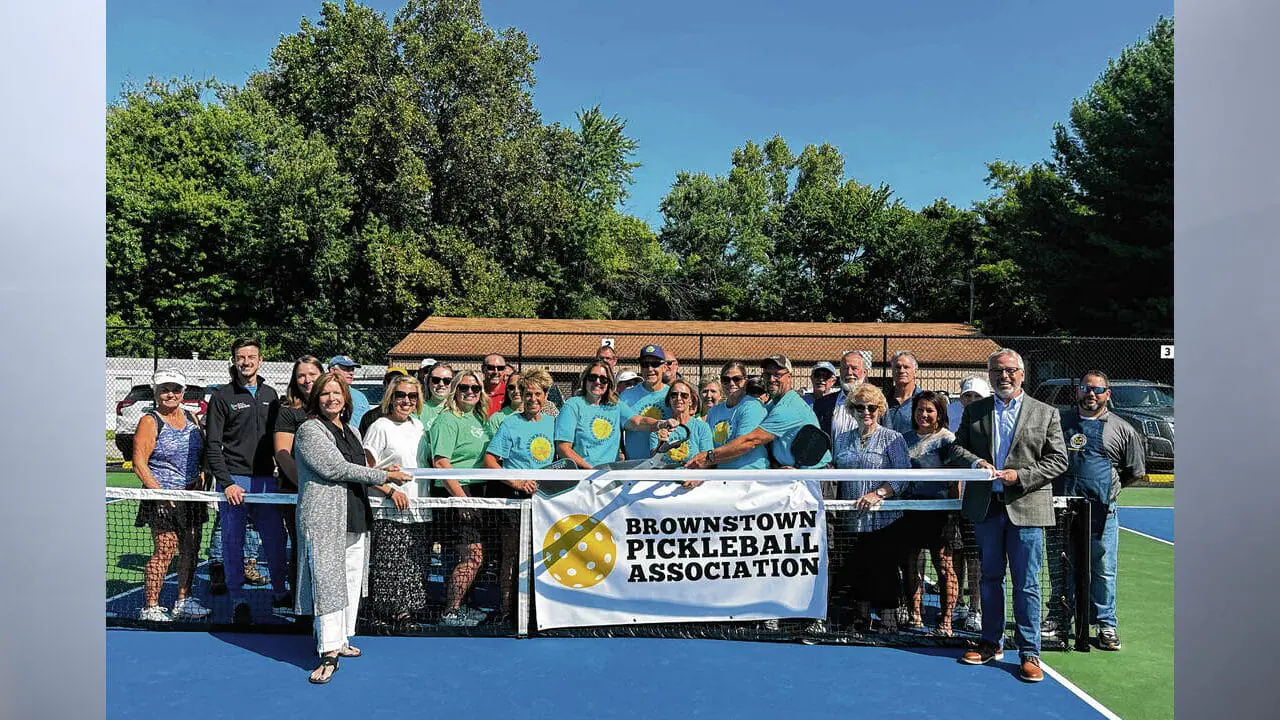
524	444
593	430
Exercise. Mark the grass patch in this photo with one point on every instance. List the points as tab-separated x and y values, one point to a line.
1157	497
1137	681
123	480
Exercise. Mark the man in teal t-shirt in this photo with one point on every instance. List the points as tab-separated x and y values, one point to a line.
788	412
647	399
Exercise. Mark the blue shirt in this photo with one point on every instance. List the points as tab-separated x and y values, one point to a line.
649	404
524	444
786	416
747	416
359	406
898	417
593	429
698	440
719	418
1004	420
884	450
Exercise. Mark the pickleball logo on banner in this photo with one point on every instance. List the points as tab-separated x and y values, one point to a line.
579	551
540	448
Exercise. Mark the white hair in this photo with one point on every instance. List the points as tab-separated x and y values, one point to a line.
1002	352
915	361
866	362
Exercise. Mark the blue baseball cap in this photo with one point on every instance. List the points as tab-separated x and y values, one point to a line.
344	361
653	351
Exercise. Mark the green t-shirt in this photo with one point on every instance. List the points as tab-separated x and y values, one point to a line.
495	420
462	439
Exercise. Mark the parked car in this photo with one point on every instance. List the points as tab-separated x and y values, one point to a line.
140	400
1146	405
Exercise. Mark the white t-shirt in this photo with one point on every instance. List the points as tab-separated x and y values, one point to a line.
386	437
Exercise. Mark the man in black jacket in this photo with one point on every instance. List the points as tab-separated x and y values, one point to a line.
239	424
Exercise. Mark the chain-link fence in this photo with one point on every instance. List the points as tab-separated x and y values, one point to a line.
202	354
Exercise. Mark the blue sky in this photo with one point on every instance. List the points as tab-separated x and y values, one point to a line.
916	94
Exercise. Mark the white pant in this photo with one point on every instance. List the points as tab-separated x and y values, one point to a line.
333	629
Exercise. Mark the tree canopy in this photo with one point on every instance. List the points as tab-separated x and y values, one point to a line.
379	170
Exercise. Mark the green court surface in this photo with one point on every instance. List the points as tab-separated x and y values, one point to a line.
1149	497
131	546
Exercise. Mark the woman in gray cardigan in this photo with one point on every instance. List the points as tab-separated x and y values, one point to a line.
334	518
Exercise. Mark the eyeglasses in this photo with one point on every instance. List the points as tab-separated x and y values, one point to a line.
494	368
651	363
1095	389
441	380
469	389
398	396
600	379
860	408
732	379
681	395
1004	371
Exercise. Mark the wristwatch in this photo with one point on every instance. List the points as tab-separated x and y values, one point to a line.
882	493
711	457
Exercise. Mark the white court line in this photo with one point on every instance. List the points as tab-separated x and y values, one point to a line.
1149	537
167	578
1147	507
1062	680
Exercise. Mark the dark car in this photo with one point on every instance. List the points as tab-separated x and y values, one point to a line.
1146	405
140	400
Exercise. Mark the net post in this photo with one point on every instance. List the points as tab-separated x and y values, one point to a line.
525	576
1081	529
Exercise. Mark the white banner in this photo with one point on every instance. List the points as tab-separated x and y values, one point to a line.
649	552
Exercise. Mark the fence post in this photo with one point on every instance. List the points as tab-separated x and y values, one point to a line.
701	361
155	350
884	355
519	352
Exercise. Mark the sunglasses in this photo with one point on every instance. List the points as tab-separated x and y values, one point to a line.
601	379
469	389
1095	389
682	395
494	368
651	363
822	377
441	380
398	395
859	407
732	379
777	373
163	389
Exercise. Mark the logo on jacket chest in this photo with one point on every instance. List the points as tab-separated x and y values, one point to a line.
241	406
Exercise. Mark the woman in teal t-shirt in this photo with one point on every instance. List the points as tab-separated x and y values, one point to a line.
589	425
458	440
523	441
682	443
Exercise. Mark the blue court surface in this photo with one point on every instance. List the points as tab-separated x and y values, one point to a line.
1154	521
225	675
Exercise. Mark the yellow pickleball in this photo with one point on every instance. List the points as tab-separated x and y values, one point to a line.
653	411
601	428
720	434
679	453
579	551
540	449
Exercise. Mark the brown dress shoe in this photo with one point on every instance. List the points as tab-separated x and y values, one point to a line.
1031	671
983	654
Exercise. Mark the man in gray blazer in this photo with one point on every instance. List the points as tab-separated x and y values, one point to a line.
1019	440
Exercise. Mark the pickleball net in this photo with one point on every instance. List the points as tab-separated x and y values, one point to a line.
415	552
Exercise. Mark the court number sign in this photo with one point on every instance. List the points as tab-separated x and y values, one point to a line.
1166	352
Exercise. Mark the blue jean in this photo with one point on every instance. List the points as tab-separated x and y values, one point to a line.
270	524
252	545
1000	540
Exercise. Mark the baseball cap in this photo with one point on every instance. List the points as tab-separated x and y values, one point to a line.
781	361
426	363
344	361
653	351
975	385
168	377
824	365
627	376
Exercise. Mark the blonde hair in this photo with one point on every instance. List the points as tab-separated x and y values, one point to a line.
481	410
396	382
536	377
868	394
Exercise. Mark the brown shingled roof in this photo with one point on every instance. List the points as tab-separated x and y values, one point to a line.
716	342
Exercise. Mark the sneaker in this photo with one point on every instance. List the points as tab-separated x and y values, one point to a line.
961	613
457	617
251	574
1049	629
155	613
1030	671
973	623
1108	638
189	608
241	615
982	654
217	578
283	600
474	614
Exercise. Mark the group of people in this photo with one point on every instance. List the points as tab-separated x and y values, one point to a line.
312	442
